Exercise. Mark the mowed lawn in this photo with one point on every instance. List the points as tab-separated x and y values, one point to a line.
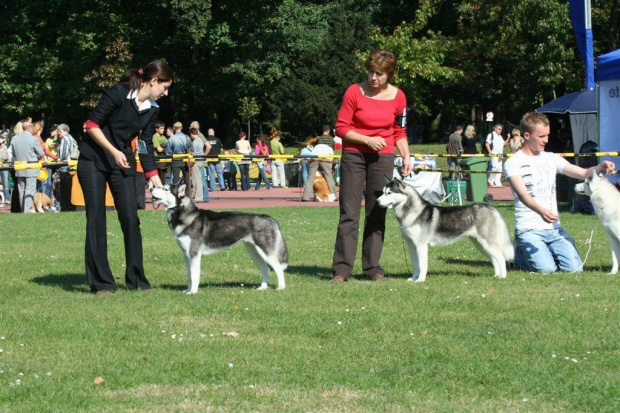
462	341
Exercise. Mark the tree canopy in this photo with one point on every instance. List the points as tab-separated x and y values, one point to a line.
294	59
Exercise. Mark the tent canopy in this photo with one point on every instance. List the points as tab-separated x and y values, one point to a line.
574	103
608	67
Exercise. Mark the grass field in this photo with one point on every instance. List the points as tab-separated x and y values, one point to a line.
462	341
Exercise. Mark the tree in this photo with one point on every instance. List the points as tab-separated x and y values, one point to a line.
248	109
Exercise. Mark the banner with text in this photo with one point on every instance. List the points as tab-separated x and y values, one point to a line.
609	121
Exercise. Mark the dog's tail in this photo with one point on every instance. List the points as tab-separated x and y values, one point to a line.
508	250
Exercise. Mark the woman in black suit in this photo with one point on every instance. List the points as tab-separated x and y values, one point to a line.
125	111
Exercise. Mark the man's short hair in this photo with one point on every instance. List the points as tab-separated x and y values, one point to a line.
327	128
63	127
159	124
210	132
194	124
177	125
458	128
193	131
530	120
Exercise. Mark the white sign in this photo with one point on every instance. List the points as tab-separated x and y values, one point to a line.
490	116
609	121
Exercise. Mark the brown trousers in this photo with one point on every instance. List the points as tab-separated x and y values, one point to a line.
359	171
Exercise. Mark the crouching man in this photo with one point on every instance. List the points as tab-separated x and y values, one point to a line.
541	244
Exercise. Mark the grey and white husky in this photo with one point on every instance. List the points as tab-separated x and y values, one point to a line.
423	224
203	232
606	201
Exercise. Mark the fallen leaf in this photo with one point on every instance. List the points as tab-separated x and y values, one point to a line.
232	334
236	307
99	380
425	332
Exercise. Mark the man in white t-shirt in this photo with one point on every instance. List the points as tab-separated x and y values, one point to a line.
495	146
541	244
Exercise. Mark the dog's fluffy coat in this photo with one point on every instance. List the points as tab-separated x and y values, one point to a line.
204	232
605	199
423	224
321	189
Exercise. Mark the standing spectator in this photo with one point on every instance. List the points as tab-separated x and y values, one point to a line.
322	165
305	162
261	149
66	145
455	148
25	148
278	178
515	140
4	174
203	172
198	150
178	144
541	243
230	173
159	146
469	145
106	157
243	147
371	122
45	186
215	167
495	147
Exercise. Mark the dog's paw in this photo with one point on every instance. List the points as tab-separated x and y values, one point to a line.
280	288
262	287
190	292
416	280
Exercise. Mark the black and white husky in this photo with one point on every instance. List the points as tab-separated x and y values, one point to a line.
203	232
423	224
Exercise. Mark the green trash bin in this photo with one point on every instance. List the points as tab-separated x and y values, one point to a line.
477	188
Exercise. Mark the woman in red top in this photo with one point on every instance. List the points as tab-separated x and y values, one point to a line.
371	123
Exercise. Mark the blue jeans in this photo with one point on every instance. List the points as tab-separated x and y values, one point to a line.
245	176
546	251
4	175
304	172
213	168
261	175
205	189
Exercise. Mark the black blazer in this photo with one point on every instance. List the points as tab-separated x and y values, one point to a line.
120	120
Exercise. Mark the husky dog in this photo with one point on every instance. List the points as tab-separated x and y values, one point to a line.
606	201
423	224
204	232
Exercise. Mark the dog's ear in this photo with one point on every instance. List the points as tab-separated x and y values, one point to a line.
387	180
181	191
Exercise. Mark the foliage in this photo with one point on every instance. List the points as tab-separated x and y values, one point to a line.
295	57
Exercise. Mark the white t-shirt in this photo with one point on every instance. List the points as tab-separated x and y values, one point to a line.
322	149
538	174
497	143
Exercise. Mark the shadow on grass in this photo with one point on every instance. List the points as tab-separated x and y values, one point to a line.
68	282
325	273
208	284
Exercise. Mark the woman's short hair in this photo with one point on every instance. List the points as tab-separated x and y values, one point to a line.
381	61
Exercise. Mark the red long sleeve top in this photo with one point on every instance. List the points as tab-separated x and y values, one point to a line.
370	117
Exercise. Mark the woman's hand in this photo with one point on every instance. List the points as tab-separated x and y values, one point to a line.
156	181
407	167
376	143
121	159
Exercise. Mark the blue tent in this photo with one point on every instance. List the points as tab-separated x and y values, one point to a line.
608	67
574	103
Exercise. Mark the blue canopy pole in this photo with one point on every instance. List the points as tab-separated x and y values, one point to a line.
580	13
589	46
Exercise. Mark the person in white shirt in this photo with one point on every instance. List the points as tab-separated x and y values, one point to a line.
541	244
495	146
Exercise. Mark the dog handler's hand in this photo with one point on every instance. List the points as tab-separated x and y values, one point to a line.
376	143
407	167
156	181
548	216
121	159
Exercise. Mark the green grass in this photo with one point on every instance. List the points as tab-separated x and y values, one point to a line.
462	341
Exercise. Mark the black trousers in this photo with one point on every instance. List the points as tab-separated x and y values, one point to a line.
359	171
123	188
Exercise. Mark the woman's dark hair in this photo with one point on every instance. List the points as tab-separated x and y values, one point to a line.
133	78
